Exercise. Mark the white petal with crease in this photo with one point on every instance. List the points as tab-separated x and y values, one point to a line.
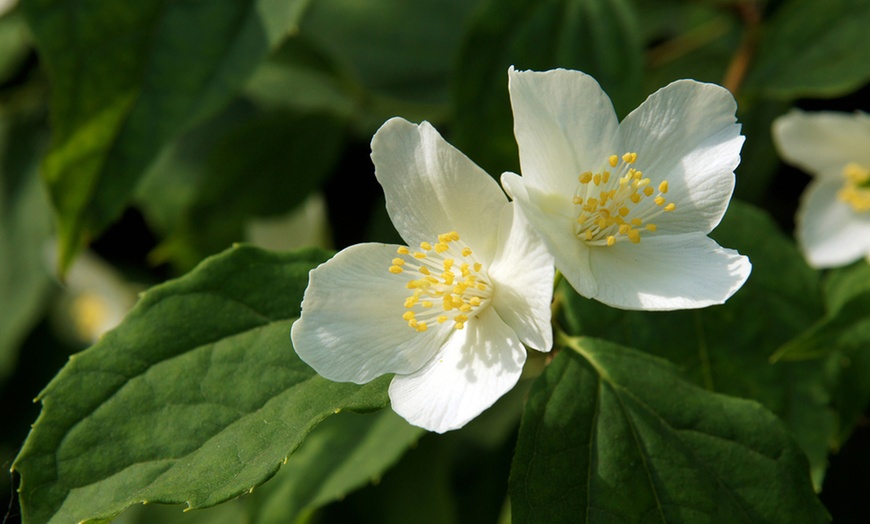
667	273
475	368
432	188
522	276
351	327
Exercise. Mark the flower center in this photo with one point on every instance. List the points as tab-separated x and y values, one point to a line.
617	206
447	282
856	188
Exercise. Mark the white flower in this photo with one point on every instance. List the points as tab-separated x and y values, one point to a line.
625	209
833	219
448	315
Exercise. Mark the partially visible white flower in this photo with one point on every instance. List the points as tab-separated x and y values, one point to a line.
450	312
625	209
95	298
304	226
7	5
833	219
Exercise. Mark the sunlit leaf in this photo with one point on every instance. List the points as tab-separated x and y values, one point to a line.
813	49
613	435
598	37
127	78
195	398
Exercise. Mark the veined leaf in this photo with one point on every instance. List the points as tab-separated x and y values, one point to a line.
126	78
613	435
726	348
196	397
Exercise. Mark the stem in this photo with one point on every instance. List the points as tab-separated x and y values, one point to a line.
739	66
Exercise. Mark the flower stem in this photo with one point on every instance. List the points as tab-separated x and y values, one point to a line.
739	66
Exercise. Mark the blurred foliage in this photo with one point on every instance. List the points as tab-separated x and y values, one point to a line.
155	133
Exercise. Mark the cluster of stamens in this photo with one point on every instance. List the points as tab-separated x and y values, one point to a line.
856	189
447	282
616	206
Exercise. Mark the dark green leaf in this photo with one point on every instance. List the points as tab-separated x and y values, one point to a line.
598	37
196	397
694	41
301	77
25	227
845	327
344	453
614	435
759	161
843	337
727	348
398	48
240	165
15	44
813	49
127	78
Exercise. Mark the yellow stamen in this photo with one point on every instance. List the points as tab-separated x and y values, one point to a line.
436	293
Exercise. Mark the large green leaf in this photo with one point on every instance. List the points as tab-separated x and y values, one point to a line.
613	435
127	77
727	348
598	37
25	227
813	49
196	397
340	455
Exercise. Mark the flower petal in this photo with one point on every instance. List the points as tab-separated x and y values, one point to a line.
686	133
828	231
554	223
564	124
823	142
522	275
475	368
351	328
668	272
432	188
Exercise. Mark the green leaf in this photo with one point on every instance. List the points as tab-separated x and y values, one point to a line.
726	348
242	164
344	453
127	78
846	325
196	397
397	48
813	49
842	336
25	227
15	44
598	37
694	40
613	435
301	77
